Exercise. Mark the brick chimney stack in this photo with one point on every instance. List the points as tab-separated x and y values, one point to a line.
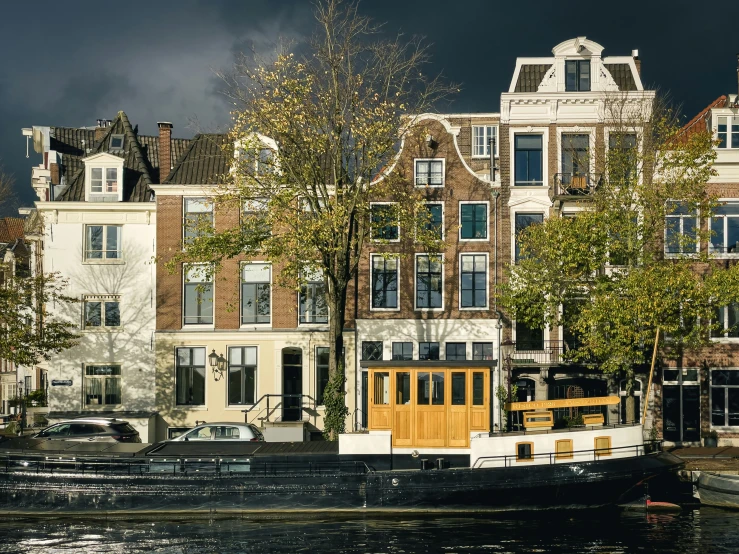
101	129
637	61
165	149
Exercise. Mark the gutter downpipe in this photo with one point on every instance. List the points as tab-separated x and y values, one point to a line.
495	194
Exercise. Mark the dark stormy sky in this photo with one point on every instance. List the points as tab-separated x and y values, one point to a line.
68	63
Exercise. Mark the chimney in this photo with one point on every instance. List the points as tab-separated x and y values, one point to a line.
637	61
101	129
54	170
165	149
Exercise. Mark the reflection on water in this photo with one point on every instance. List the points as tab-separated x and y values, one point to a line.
706	531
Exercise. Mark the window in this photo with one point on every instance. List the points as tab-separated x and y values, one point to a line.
102	242
435	221
726	322
198	218
482	350
563	449
382	388
430	389
322	354
384	283
198	296
430	173
603	446
242	374
577	75
456	351
523	222
101	312
255	293
622	156
474	219
459	389
725	229
528	338
100	185
428	282
116	143
725	397
681	228
473	281
254	217
371	350
102	385
524	451
428	350
481	138
402	351
190	377
385	222
312	301
575	160
727	131
528	160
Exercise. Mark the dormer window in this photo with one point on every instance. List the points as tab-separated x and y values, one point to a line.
116	143
577	75
107	185
727	131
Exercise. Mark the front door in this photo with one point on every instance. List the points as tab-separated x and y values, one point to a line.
292	384
681	413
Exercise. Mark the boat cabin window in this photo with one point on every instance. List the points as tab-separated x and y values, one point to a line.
524	451
403	387
459	388
382	388
478	388
603	446
563	449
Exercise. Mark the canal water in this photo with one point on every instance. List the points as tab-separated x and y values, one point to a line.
709	531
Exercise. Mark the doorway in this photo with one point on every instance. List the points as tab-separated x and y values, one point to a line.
292	384
680	405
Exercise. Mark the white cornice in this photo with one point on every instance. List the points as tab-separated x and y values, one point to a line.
185	190
96	206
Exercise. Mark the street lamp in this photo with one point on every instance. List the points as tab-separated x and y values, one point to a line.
506	352
217	364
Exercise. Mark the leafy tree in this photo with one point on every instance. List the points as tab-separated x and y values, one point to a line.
628	263
29	333
314	138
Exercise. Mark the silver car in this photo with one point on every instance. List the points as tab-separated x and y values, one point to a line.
225	431
92	429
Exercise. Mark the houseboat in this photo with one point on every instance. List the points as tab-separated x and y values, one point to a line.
429	447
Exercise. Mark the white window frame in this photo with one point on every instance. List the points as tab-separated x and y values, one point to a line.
185	268
238	407
415	281
102	299
486	138
103	161
710	399
487	282
397	277
590	131
112	148
723	338
193	407
102	260
202	199
487	229
315	365
717	117
443	172
314	278
533	210
711	248
682	219
512	133
241	300
443	215
86	378
382	241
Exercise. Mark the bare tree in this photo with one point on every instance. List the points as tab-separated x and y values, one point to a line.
8	195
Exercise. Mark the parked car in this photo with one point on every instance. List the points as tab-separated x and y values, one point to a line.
95	429
222	432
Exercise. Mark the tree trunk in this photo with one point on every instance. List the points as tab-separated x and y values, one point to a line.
334	397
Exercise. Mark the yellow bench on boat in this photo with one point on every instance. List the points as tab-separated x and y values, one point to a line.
593	419
537	420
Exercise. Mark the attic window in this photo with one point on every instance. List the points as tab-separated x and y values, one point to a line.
577	75
116	143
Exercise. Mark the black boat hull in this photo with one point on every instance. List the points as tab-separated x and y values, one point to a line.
535	487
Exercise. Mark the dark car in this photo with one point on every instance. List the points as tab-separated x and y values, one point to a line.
92	430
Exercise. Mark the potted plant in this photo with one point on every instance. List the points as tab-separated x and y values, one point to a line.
710	439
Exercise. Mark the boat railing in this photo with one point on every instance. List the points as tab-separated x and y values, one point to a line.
539	431
218	466
595	454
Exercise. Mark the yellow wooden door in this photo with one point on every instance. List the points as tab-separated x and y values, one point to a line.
402	410
479	410
431	394
458	432
380	414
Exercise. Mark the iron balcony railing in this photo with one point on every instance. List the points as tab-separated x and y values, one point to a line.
542	352
576	184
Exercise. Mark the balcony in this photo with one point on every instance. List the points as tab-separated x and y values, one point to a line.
548	352
575	184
